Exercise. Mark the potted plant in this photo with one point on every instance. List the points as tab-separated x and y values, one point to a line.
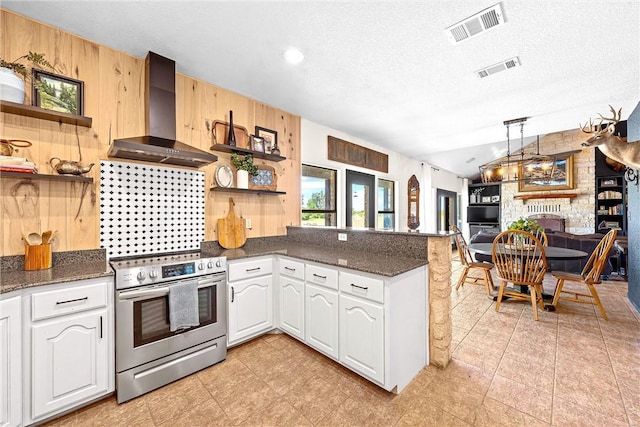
524	224
14	74
245	166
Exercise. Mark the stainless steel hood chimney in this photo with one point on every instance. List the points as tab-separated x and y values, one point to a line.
159	145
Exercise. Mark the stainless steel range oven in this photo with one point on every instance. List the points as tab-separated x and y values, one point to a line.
148	353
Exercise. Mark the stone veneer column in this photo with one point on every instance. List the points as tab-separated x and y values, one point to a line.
439	256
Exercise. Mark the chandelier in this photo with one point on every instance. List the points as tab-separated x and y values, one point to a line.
517	165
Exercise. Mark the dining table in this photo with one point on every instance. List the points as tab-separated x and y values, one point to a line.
551	252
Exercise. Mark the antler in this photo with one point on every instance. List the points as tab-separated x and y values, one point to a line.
599	130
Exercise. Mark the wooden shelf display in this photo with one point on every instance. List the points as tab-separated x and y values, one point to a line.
45	177
41	113
526	197
224	148
247	191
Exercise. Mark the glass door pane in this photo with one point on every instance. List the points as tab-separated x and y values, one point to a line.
360	200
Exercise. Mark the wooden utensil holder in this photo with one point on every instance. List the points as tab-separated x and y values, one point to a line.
37	257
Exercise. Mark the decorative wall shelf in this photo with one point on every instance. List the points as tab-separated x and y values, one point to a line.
45	177
256	154
248	191
41	113
526	197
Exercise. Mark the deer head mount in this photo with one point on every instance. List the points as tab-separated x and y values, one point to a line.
611	145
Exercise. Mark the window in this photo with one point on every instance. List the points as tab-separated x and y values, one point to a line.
318	196
386	205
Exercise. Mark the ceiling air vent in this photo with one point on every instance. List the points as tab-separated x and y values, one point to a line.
476	24
500	66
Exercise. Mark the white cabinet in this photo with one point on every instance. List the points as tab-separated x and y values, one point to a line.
250	299
362	337
291	297
69	361
10	362
71	351
321	320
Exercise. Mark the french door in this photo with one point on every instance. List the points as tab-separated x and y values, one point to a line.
360	204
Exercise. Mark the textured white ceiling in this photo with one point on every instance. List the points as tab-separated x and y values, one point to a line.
385	71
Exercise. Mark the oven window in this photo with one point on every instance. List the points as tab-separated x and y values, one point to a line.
151	317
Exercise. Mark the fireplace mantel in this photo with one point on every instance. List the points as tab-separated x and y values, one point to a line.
526	197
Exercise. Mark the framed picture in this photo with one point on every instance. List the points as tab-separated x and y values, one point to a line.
58	93
545	175
269	136
486	199
265	180
257	143
495	199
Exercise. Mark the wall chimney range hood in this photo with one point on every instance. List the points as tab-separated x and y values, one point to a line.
159	145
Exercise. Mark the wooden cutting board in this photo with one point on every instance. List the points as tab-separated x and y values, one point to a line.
231	230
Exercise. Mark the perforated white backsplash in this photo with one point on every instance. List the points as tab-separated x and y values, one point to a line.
147	210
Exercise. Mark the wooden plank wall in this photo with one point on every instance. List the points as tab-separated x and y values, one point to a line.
114	98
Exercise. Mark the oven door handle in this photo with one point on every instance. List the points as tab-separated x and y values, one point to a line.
159	292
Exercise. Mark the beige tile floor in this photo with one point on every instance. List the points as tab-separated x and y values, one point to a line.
569	368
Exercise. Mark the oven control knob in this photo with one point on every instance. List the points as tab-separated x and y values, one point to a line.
218	263
153	274
141	275
210	264
201	266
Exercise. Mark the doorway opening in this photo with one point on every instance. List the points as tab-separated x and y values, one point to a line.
360	200
446	209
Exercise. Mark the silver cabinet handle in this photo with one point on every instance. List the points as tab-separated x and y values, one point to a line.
233	294
71	300
249	270
290	269
317	275
100	327
364	288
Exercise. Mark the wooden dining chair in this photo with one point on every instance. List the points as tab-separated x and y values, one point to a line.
519	259
469	264
590	276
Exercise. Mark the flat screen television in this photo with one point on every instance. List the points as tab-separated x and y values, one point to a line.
483	214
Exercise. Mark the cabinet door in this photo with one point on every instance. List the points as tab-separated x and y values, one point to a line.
10	362
250	308
292	306
70	361
362	337
321	325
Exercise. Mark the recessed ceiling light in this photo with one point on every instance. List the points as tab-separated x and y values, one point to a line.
293	56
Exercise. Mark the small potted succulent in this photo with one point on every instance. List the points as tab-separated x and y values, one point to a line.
14	74
245	167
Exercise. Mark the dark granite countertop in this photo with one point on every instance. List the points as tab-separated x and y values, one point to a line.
383	253
67	267
369	262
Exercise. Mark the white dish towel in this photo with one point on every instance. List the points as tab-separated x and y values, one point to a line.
183	305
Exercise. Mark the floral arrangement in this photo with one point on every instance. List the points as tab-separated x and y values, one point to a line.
245	163
530	225
35	59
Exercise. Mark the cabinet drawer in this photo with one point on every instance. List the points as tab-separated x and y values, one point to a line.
321	276
66	301
248	269
364	287
291	268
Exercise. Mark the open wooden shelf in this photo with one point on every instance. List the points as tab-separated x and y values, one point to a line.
247	191
41	113
256	154
45	177
526	197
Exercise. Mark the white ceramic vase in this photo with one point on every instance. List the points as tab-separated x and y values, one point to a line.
242	179
11	86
